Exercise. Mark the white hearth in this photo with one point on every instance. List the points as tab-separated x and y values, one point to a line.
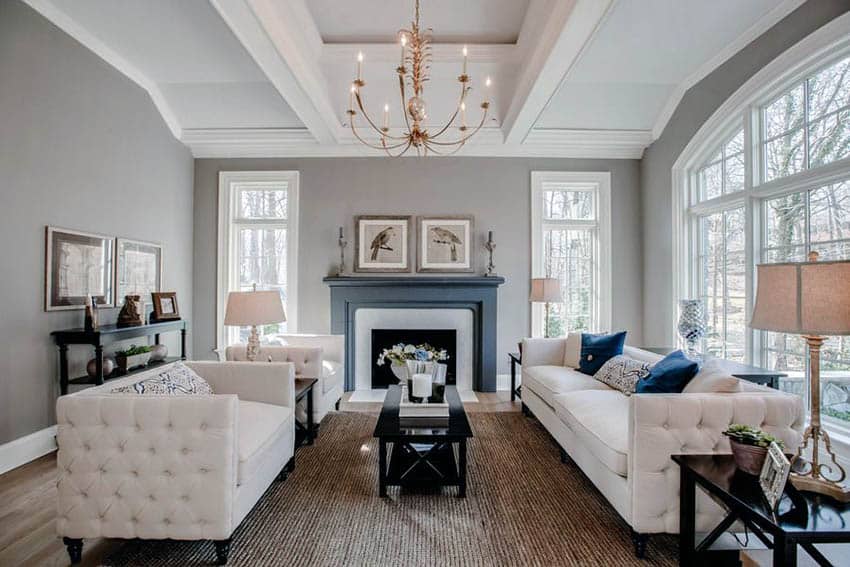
366	319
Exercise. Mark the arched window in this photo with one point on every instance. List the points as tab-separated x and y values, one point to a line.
767	179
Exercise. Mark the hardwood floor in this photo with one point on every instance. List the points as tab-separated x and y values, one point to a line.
28	501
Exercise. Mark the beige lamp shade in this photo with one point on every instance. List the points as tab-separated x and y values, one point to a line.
808	298
247	308
545	290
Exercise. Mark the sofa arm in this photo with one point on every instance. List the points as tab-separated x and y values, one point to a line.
333	346
661	425
146	466
267	382
543	352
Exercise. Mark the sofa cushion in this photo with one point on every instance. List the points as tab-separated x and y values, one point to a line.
600	419
549	381
331	375
669	375
597	349
572	350
712	379
259	425
622	373
175	380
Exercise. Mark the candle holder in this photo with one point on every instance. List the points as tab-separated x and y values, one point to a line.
342	244
490	246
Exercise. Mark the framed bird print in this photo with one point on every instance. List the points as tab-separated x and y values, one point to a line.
445	244
382	243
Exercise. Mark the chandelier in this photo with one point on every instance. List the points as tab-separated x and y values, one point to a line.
413	73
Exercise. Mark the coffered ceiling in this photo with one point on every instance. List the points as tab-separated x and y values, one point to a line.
571	78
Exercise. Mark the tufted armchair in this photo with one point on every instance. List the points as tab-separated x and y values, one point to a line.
184	467
314	356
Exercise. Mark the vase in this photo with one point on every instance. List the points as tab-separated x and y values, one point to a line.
158	353
108	367
400	372
692	324
748	458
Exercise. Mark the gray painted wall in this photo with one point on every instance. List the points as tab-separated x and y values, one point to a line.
698	104
495	190
80	147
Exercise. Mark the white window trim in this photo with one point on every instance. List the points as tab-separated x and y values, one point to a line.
600	182
826	45
227	245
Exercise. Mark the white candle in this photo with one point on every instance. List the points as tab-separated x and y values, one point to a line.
386	116
359	65
465	52
463	114
351	99
421	385
403	44
488	82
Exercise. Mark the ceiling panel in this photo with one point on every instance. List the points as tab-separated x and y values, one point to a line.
453	21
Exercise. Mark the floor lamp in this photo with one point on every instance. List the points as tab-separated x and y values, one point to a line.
253	308
546	291
811	299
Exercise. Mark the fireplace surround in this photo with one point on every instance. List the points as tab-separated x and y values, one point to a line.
476	294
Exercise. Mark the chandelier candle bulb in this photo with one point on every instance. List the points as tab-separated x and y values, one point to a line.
359	66
351	98
403	44
463	115
465	53
386	117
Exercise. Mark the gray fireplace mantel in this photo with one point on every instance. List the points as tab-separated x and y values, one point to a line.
479	294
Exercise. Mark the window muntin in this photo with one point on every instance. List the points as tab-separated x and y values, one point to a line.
724	171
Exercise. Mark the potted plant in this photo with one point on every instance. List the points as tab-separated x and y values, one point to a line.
749	446
133	357
401	353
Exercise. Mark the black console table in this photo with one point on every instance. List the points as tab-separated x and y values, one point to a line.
106	335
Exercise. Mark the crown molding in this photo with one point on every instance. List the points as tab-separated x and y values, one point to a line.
757	29
67	24
298	142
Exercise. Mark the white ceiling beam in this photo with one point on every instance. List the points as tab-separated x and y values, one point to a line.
566	29
440	52
281	37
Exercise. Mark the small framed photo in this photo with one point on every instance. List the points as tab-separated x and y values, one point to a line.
445	244
165	305
77	265
382	243
138	269
774	475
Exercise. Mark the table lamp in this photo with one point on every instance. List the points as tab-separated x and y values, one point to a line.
253	308
546	291
811	299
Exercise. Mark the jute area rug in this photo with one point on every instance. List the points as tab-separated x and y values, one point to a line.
523	507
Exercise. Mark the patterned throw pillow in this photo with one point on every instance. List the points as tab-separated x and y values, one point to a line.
177	380
622	373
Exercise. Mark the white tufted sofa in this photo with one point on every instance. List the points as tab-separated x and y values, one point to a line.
623	443
184	467
314	356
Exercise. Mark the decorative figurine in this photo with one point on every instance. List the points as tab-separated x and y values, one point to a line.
342	244
131	314
490	246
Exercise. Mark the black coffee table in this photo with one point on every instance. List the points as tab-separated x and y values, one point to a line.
422	453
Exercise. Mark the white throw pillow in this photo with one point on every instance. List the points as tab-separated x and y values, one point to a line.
176	380
622	373
572	350
711	379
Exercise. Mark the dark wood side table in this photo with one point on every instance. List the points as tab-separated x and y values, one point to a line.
801	519
753	374
305	433
516	391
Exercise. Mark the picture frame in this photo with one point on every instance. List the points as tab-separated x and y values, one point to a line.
138	269
165	306
774	475
445	243
77	264
382	243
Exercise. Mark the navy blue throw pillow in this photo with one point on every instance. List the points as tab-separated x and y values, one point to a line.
597	349
669	375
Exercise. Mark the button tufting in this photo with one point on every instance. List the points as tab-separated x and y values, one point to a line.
166	521
184	498
203	425
152	451
184	450
87	447
205	471
151	497
135	473
166	473
84	494
134	519
118	495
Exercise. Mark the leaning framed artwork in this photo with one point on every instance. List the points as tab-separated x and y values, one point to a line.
382	243
138	269
445	244
77	264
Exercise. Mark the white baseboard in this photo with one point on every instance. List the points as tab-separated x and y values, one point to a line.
28	448
503	382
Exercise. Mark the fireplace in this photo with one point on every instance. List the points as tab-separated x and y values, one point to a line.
383	377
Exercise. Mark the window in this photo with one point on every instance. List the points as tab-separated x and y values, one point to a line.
258	216
571	241
767	180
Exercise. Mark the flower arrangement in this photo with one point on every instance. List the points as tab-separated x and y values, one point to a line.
747	435
401	353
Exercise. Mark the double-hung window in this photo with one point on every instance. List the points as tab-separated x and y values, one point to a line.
571	234
771	185
258	230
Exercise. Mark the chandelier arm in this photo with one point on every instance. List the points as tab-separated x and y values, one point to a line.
373	146
389	153
463	93
464	138
403	109
451	153
369	120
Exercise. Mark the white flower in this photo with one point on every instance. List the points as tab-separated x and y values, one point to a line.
430	355
409	349
397	349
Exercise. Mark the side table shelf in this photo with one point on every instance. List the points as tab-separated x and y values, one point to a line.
106	335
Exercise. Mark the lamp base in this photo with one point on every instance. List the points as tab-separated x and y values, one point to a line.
253	348
820	486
